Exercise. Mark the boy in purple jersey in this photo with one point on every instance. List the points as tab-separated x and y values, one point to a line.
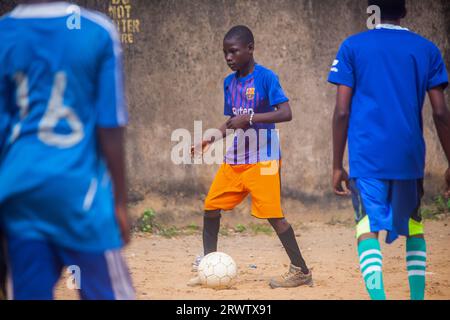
254	102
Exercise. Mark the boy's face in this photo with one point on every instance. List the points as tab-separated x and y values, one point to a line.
237	53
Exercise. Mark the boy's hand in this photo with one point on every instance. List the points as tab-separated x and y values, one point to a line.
341	183
203	147
447	179
124	223
239	122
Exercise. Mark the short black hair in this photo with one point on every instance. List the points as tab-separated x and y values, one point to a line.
241	33
390	9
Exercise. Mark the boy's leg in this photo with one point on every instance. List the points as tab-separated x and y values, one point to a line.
99	276
226	192
371	201
298	273
406	202
211	227
264	184
34	269
370	259
416	257
287	237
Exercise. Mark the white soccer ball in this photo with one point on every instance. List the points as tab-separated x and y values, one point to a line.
217	270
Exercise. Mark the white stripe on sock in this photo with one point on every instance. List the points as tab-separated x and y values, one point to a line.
371	270
416	263
416	253
369	252
416	273
369	261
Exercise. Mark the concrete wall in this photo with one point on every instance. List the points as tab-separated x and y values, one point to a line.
175	69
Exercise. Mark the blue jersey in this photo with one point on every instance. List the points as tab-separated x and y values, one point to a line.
59	81
258	92
390	70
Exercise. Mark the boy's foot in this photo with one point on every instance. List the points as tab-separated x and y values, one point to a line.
196	263
293	278
194	282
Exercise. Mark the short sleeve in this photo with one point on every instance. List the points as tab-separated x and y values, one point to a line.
111	104
227	106
342	69
275	91
437	75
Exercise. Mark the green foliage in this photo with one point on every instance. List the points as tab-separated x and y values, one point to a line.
190	229
261	228
438	209
240	228
169	232
147	222
193	227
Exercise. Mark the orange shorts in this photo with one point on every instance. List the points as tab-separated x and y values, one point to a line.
234	182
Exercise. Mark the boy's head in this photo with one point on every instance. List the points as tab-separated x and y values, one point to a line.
390	9
238	46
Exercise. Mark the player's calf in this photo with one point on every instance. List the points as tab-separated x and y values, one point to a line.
211	226
371	263
416	257
298	273
287	237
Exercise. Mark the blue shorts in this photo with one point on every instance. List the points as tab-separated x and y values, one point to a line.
35	266
390	205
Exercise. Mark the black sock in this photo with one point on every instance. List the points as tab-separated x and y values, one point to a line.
211	226
290	245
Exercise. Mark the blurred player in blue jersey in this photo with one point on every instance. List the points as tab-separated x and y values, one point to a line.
62	171
383	76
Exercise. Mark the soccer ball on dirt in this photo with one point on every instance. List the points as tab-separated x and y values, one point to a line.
217	270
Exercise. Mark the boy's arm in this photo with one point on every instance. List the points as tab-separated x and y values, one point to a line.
112	118
222	129
340	126
209	140
112	145
283	113
441	116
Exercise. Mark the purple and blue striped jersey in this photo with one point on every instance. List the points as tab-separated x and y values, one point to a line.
259	92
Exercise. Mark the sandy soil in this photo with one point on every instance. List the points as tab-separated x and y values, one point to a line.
161	267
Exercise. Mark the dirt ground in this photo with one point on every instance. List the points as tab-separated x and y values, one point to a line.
161	267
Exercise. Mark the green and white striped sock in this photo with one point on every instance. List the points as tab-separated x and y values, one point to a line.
416	258
370	259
